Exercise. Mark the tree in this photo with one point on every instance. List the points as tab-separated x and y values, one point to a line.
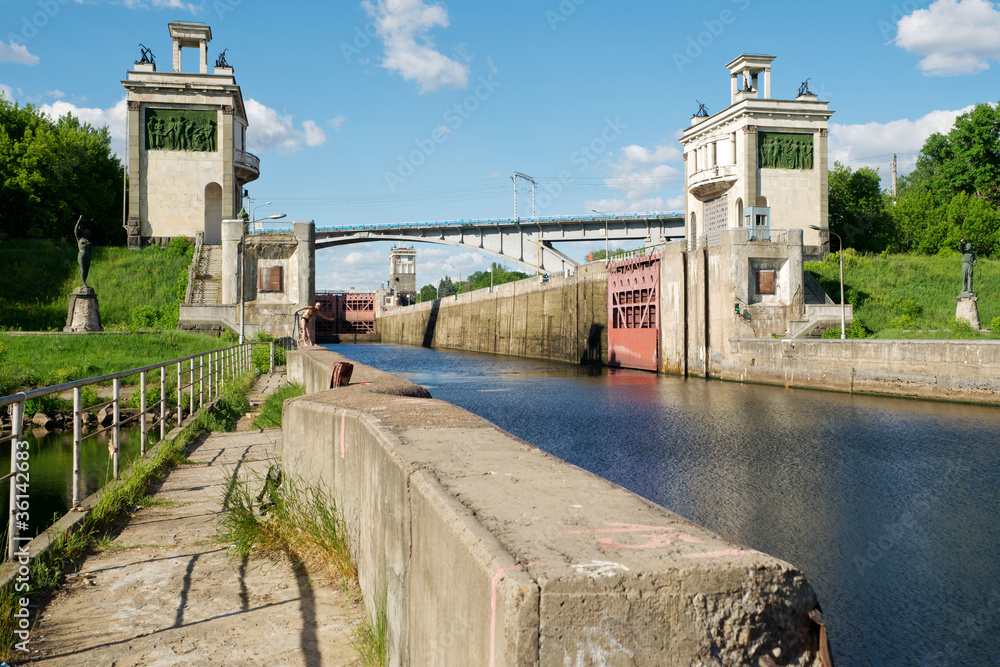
954	192
501	275
446	287
53	172
967	159
428	293
858	209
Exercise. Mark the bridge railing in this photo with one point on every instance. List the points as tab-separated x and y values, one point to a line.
222	364
273	229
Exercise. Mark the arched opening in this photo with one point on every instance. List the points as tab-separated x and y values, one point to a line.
761	202
739	212
694	226
213	214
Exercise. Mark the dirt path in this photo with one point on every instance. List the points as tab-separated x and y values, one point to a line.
166	593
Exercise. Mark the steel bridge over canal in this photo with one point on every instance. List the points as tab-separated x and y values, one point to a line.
527	242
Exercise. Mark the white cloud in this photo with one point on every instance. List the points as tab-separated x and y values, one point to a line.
642	172
314	135
953	36
337	122
115	117
7	92
270	131
873	143
364	270
17	54
404	27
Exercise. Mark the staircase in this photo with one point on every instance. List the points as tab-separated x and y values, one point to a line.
821	312
208	281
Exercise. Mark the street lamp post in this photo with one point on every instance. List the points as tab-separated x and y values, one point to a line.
491	278
253	214
843	306
243	238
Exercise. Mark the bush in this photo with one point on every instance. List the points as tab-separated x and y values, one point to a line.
902	322
911	308
995	324
49	405
144	317
179	246
856	329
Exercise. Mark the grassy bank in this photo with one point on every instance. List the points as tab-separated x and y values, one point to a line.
110	512
135	288
39	361
910	296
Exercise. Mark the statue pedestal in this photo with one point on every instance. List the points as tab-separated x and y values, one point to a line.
967	310
84	311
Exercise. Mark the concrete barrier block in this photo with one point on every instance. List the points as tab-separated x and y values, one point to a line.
491	552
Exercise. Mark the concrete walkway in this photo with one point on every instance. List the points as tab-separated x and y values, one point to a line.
166	593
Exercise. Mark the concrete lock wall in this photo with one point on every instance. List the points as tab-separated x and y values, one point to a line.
486	551
963	371
563	319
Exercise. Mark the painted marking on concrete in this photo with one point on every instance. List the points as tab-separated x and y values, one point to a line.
600	568
657	536
343	423
493	604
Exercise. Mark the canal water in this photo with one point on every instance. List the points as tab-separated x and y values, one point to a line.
889	506
50	472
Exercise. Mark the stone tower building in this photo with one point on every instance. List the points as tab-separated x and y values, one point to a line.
403	274
187	159
760	163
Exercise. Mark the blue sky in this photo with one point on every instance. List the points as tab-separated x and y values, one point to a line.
403	110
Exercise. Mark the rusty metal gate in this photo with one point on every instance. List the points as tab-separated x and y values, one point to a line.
633	312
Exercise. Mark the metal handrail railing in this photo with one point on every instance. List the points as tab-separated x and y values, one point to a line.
223	363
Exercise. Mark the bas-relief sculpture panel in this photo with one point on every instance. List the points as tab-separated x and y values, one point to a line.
181	130
778	150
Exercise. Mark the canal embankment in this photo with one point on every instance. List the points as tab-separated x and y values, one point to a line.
558	317
566	319
482	549
943	370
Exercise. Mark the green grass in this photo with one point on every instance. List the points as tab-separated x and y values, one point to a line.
39	361
270	411
910	296
303	522
114	505
148	284
371	641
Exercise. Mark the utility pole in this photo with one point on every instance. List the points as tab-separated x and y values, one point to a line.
893	177
514	178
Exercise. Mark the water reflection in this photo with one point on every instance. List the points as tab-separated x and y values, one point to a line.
888	505
51	473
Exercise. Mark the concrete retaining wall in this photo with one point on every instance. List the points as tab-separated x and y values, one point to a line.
962	371
487	551
564	319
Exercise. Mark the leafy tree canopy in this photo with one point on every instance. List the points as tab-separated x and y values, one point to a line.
53	172
857	209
